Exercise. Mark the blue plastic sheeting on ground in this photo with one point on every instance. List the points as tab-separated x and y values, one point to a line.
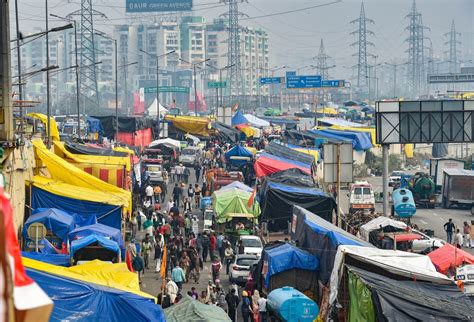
361	139
238	151
88	240
55	220
239	118
76	300
285	257
98	229
109	215
238	185
54	259
296	189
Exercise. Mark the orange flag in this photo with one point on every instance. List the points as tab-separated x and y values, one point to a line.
252	198
163	264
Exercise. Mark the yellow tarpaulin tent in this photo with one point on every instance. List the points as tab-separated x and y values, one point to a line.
327	110
314	153
110	275
191	124
61	170
52	123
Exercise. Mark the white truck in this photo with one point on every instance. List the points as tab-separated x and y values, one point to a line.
361	197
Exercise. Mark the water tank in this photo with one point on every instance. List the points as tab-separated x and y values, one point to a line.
403	203
291	305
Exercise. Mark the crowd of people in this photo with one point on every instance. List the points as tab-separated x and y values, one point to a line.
172	234
460	237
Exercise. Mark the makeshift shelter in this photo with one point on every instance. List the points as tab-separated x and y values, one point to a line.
59	222
101	230
152	109
292	176
267	164
280	150
248	119
225	132
314	152
448	257
53	259
195	125
360	141
238	156
134	126
247	130
108	249
287	265
384	223
106	207
170	143
189	309
233	200
320	238
237	184
77	148
89	297
94	127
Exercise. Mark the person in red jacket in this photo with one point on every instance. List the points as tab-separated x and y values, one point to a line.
213	245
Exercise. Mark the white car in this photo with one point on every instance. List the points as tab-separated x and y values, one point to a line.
240	268
252	245
395	178
425	242
190	155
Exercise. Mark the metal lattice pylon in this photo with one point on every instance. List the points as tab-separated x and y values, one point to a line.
322	64
416	53
88	73
233	43
362	43
453	51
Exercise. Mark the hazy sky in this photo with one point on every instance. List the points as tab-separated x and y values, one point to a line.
295	37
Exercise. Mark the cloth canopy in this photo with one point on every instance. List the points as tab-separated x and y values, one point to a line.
277	201
94	126
191	124
320	238
98	229
360	141
380	222
52	124
256	121
189	309
89	150
48	193
238	185
314	152
53	259
247	130
238	155
233	200
283	151
87	297
152	110
57	221
226	132
267	164
125	124
292	176
79	244
171	143
239	118
448	256
285	257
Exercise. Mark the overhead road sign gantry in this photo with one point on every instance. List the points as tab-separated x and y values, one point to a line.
271	80
303	82
167	89
141	6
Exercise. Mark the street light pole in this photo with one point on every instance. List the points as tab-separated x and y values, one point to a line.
18	53
116	91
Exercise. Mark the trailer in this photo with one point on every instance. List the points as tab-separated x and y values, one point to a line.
437	167
458	188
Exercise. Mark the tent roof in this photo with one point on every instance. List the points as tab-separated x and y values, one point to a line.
296	189
238	185
152	109
83	297
98	229
191	124
292	176
167	142
284	151
238	118
337	121
267	164
285	257
55	220
90	239
378	222
188	309
233	200
256	121
238	151
448	255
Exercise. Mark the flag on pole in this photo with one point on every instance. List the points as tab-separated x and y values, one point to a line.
251	200
163	264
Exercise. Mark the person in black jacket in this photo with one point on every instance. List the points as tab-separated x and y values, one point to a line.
232	304
177	192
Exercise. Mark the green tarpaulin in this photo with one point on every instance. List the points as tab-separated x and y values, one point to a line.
233	201
361	307
189	309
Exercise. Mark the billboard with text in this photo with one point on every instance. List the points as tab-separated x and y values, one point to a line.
142	6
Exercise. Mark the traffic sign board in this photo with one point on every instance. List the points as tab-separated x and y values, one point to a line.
301	82
167	89
222	84
333	83
290	73
271	80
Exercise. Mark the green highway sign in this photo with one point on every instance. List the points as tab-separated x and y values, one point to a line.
217	84
167	89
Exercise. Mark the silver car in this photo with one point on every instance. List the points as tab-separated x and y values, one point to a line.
240	268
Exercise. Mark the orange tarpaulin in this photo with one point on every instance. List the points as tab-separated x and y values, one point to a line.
447	256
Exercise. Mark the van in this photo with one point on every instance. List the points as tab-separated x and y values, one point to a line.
361	197
190	155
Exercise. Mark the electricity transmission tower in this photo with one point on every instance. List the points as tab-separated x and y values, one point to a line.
362	43
88	73
416	53
322	65
453	51
233	43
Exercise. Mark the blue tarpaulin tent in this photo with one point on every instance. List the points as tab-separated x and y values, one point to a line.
55	220
285	257
362	139
54	259
76	300
109	215
332	137
238	185
98	229
239	118
91	239
238	155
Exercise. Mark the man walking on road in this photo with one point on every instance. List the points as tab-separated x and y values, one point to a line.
176	194
232	304
449	228
177	275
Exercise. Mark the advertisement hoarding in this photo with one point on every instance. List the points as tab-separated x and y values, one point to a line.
140	6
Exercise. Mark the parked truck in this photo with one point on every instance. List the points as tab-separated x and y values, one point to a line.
437	167
361	197
458	188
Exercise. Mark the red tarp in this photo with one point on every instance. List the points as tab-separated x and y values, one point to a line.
267	164
448	255
406	237
138	138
